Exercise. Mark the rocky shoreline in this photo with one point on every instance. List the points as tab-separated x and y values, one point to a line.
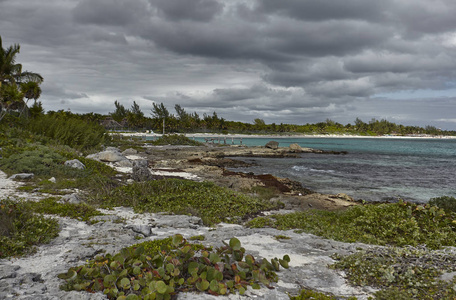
35	276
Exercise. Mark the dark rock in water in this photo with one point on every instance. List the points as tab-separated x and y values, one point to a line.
22	176
272	145
75	163
295	148
141	171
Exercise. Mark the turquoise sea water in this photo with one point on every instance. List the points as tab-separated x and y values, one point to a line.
374	169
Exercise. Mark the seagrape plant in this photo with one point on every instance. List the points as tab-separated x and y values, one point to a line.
163	268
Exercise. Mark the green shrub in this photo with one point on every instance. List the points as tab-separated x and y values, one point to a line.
162	269
401	273
81	212
175	139
446	203
48	161
21	229
69	130
212	203
37	159
397	224
92	166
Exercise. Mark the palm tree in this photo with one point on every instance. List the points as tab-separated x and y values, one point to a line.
31	90
15	84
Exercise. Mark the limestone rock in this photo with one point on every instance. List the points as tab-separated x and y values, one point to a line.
130	151
179	221
345	197
145	230
272	145
448	276
110	155
295	148
140	171
143	163
112	149
75	163
72	199
22	176
7	271
125	163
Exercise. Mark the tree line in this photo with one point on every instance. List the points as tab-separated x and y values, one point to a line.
185	122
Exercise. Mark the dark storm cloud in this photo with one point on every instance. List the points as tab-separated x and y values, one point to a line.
109	12
422	17
195	10
335	38
61	93
325	9
284	61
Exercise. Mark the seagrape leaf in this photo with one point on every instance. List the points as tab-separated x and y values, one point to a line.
109	280
177	239
161	287
202	285
125	283
284	263
235	244
193	267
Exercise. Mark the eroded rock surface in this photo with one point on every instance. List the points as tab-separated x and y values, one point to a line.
35	276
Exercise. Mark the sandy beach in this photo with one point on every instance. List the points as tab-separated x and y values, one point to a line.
272	136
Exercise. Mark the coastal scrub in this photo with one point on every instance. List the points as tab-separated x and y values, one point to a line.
81	212
397	224
21	229
213	204
401	273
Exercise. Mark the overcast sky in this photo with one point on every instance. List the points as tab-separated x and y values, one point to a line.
290	61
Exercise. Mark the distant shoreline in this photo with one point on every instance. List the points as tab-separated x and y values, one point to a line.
271	136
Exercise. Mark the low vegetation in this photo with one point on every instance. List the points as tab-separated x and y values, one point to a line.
21	229
446	203
47	161
161	269
401	273
213	204
405	224
175	139
51	206
69	130
39	160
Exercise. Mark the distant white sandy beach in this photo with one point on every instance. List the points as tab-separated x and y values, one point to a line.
269	136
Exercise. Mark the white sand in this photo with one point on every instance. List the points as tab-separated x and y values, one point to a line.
228	136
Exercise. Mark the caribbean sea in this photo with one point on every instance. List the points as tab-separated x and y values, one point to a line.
375	169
